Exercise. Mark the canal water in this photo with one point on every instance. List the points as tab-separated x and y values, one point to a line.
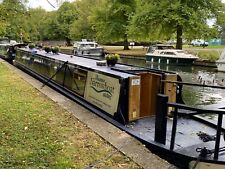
192	95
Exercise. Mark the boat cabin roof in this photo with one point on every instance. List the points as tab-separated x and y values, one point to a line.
173	51
83	62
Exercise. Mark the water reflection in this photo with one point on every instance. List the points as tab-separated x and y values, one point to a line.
194	96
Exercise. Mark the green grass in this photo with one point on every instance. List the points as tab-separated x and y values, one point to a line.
208	47
209	55
37	133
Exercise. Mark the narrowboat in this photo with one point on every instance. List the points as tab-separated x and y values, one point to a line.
168	55
88	49
4	45
8	49
146	103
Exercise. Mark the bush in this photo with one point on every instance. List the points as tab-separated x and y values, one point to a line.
112	57
55	50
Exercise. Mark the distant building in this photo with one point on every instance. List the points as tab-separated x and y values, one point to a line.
215	42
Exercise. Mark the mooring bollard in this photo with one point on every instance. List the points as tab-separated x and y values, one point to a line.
161	119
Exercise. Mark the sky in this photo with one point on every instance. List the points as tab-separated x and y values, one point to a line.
44	4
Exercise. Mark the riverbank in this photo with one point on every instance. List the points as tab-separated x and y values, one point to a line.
207	56
37	132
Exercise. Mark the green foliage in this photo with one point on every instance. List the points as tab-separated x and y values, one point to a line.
62	20
3	22
31	45
166	17
112	57
111	20
84	26
55	49
33	28
14	13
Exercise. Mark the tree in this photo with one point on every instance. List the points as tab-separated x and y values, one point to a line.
84	27
33	28
175	16
3	22
112	20
14	13
64	17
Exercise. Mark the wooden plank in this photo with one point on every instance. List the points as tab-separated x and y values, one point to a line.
150	87
170	88
146	85
156	81
134	98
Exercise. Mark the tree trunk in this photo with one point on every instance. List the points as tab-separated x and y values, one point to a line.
179	37
68	41
125	43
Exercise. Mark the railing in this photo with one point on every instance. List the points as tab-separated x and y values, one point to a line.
198	111
193	111
194	84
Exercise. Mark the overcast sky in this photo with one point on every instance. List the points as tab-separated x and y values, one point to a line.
44	4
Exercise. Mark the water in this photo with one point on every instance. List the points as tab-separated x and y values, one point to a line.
193	96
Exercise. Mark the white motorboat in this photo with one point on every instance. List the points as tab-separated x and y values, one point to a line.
167	54
89	49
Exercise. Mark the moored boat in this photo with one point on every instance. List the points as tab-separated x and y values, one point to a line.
88	49
8	50
4	45
168	55
145	103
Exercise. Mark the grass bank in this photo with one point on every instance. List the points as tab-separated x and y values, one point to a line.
208	53
37	133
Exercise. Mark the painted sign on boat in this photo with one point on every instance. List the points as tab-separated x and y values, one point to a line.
102	91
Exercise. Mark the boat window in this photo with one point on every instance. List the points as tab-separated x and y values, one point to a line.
87	45
73	79
180	51
164	47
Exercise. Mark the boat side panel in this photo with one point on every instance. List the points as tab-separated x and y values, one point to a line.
169	60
